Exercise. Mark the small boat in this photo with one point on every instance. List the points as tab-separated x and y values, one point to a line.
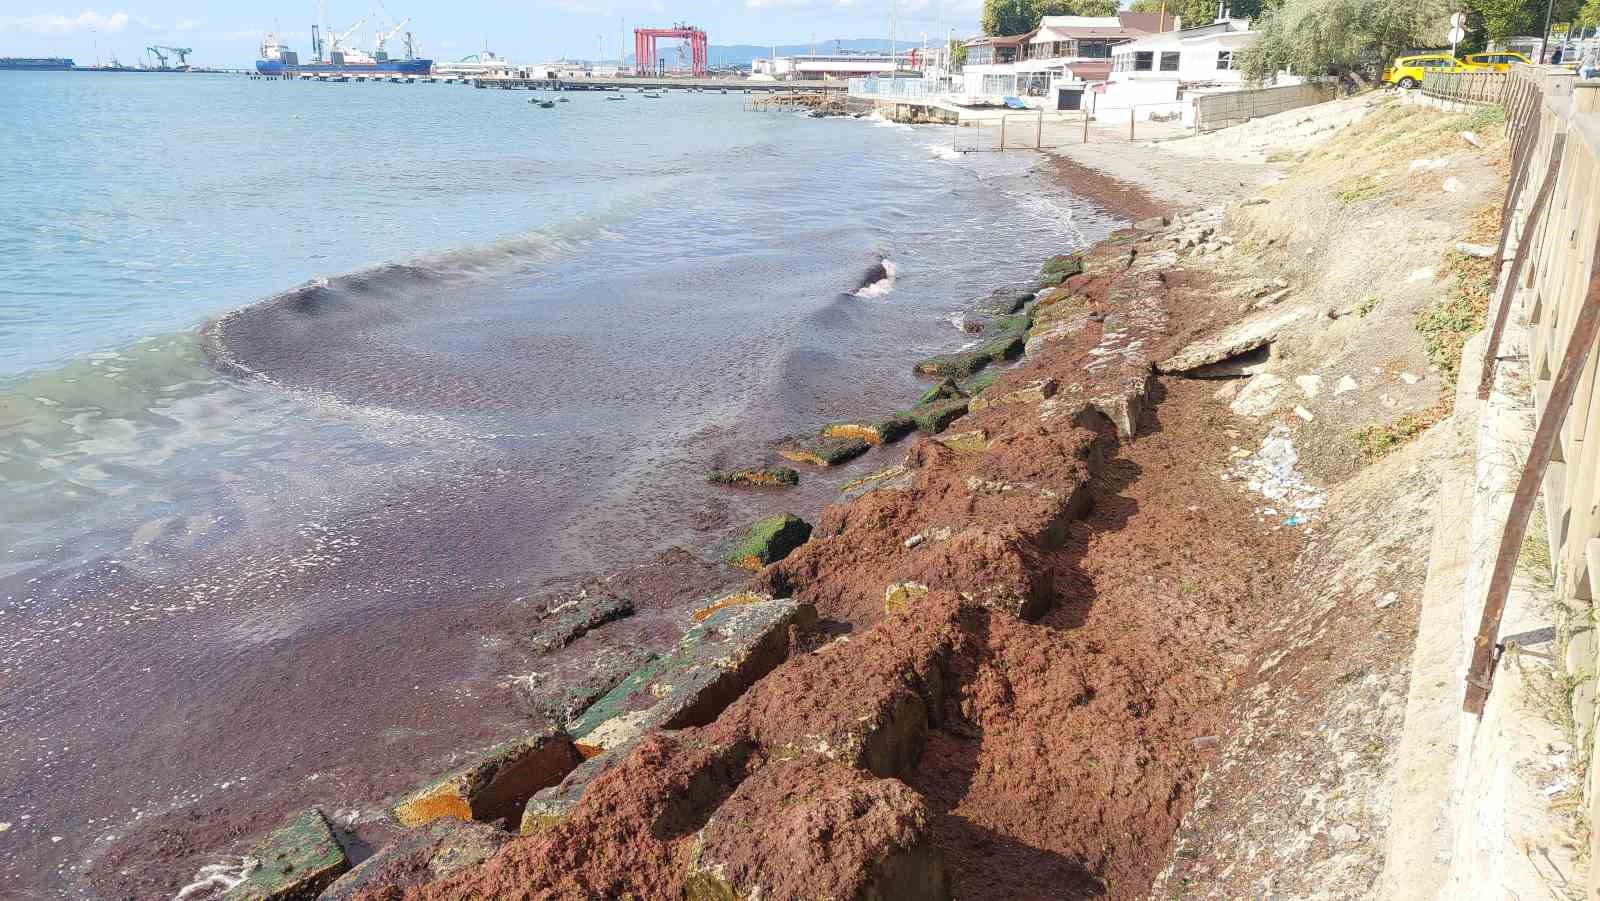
547	104
652	96
564	100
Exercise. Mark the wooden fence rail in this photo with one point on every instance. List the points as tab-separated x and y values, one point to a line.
1552	204
1466	87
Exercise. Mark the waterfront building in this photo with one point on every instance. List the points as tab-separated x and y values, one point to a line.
1052	61
1159	75
832	65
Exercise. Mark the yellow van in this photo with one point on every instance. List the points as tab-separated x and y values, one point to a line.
1499	60
1406	71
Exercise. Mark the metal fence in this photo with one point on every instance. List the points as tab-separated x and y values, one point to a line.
907	88
1465	87
1551	208
1214	111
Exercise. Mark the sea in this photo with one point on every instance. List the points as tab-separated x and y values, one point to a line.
299	380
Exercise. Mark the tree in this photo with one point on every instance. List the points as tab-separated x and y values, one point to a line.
1198	12
958	54
1005	17
1490	20
1345	38
1001	17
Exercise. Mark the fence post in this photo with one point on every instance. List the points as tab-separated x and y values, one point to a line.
1002	132
1038	133
1132	108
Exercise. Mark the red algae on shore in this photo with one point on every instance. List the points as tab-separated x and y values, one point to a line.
1020	718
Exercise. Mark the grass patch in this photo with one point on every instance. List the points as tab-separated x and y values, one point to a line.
1379	438
1367	305
1362	187
1449	322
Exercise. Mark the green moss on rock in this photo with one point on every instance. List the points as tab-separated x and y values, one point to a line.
947	389
296	862
823	450
770	540
933	418
769	477
976	385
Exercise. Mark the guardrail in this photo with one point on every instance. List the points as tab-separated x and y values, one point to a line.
1216	111
904	88
1466	87
1550	228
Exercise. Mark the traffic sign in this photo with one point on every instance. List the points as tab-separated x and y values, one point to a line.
1458	20
1456	34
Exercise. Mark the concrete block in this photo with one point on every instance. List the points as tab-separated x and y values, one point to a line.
496	785
295	863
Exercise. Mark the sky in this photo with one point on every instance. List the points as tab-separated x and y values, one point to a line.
227	33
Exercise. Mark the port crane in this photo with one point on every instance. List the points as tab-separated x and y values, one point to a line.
160	51
337	40
384	36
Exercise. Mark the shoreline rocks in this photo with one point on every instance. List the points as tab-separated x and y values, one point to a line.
769	540
296	862
766	477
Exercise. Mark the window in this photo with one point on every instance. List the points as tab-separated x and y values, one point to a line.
999	85
1094	48
1169	62
980	56
1143	60
1224	60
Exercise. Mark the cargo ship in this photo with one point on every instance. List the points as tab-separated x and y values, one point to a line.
332	56
36	64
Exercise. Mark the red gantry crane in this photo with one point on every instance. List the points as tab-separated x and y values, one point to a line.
644	48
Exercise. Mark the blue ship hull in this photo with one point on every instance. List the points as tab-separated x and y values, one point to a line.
386	67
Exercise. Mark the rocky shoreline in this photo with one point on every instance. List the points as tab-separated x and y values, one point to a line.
820	730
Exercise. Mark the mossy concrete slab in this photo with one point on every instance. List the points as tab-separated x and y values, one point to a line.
767	477
885	431
295	863
432	851
932	419
976	385
497	784
1006	301
822	450
947	389
769	540
574	617
742	638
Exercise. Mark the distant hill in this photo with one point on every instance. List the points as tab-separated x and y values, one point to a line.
740	55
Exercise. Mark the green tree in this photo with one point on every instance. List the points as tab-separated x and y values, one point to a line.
1345	38
1004	17
1589	15
1490	20
1001	17
1198	12
958	54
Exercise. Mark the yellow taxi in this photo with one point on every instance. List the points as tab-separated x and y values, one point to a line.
1498	60
1407	71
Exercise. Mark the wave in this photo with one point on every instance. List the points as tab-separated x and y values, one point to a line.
878	280
943	152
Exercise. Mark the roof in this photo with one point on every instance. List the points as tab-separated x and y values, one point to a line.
1066	28
1001	41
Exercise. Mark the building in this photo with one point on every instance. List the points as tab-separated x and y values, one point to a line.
831	65
1063	50
1160	74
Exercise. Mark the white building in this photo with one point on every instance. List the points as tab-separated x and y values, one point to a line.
1161	74
829	66
1063	51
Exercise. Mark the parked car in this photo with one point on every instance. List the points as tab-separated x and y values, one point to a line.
1407	71
1498	61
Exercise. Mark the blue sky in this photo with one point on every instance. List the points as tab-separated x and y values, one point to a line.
226	33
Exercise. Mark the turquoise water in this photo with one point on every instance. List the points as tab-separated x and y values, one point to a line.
300	382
